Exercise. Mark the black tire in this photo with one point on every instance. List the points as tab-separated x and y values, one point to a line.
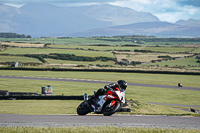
108	111
82	109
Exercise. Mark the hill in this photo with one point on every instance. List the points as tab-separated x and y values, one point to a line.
116	15
159	29
190	22
46	20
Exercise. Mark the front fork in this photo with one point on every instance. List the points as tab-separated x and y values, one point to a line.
86	101
85	97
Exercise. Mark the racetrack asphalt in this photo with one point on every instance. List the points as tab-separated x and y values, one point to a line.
15	120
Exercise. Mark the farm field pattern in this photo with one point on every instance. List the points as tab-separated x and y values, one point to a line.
118	53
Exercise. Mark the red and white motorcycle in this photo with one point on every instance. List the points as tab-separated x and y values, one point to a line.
106	104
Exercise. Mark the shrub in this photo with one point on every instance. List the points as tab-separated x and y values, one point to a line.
39	57
166	56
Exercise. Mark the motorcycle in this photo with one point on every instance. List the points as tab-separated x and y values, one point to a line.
106	104
180	85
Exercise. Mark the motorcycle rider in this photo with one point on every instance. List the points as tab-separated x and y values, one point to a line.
121	86
180	85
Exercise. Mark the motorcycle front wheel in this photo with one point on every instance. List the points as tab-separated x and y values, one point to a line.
110	108
82	109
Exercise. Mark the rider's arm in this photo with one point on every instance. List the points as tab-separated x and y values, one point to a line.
110	86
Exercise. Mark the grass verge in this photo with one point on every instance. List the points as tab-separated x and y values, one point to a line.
38	107
49	107
92	130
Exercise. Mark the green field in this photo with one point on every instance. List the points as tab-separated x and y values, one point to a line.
70	41
17	51
187	63
66	63
121	49
99	48
142	94
161	79
184	63
20	59
170	49
124	40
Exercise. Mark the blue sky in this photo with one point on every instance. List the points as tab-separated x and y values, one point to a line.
165	10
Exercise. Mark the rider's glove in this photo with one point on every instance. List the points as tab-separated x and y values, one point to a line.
110	87
107	87
113	85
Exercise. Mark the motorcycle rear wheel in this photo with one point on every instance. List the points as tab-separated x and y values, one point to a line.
108	111
82	109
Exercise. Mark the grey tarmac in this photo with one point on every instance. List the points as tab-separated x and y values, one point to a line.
14	120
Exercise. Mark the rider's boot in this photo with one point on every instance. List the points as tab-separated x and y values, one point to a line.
93	101
96	109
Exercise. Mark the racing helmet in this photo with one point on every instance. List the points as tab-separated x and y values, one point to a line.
122	84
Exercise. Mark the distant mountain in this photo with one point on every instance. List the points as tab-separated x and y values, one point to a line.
6	14
55	21
45	20
100	20
159	29
189	22
116	15
48	20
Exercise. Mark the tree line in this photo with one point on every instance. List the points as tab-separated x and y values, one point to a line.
70	57
141	39
13	35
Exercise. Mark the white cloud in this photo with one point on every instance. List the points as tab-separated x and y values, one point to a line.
171	17
165	10
77	4
141	1
146	5
191	10
14	5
